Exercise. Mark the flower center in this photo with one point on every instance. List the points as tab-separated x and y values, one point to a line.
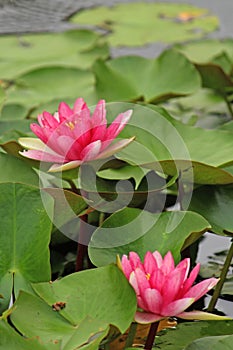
148	276
70	125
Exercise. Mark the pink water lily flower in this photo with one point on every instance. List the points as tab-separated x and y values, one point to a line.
72	136
163	289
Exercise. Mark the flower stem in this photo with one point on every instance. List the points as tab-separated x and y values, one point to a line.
223	275
82	248
151	336
131	335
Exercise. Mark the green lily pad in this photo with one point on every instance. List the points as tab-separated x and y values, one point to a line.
45	84
167	145
10	339
138	24
13	112
16	170
156	80
112	300
140	231
51	328
24	239
23	53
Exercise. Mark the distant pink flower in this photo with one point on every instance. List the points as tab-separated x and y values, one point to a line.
72	136
163	289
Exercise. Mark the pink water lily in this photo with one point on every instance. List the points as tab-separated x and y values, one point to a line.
163	289
72	136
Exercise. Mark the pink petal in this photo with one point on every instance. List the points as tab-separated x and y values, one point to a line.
176	307
150	263
135	261
173	284
118	124
46	120
109	151
157	279
39	132
134	283
79	105
201	288
69	147
99	115
201	315
42	156
67	166
64	111
158	258
153	300
147	317
168	263
126	266
91	151
142	280
185	263
190	280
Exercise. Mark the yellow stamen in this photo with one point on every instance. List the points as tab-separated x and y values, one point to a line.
148	276
70	125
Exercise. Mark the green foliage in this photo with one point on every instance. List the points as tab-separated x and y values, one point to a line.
138	24
23	53
138	230
121	80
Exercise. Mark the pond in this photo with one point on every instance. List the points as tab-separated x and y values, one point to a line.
76	197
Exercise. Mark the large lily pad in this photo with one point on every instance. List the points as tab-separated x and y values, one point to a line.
45	84
76	48
138	230
156	80
112	300
24	238
53	328
137	24
165	143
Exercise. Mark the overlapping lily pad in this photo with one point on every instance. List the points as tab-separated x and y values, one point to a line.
122	80
136	24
